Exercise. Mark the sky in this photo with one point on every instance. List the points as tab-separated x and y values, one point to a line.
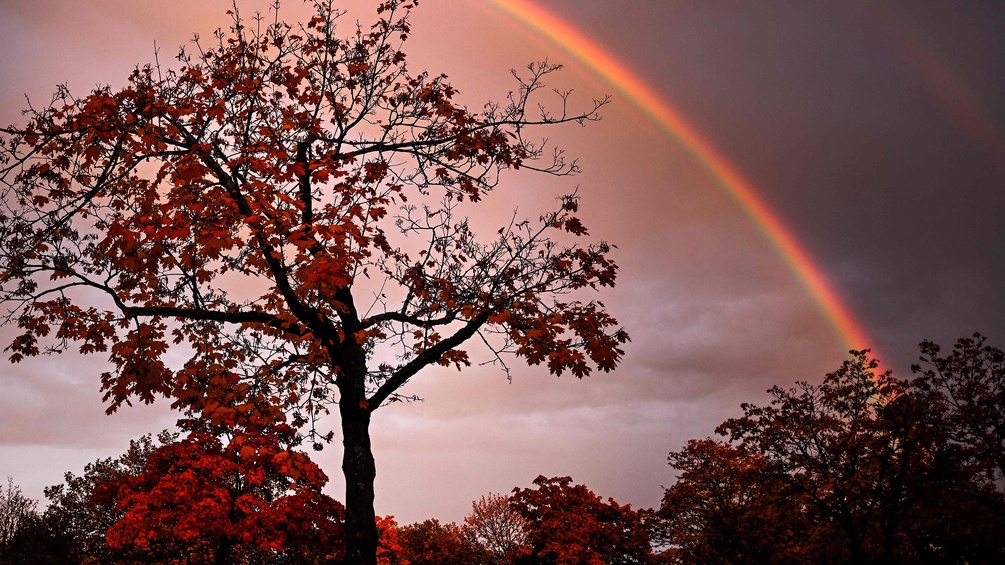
870	134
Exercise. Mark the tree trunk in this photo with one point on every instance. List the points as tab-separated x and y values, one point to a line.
223	552
360	471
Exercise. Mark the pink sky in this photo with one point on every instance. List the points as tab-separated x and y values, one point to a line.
822	108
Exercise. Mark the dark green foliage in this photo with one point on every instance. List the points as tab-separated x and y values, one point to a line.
40	541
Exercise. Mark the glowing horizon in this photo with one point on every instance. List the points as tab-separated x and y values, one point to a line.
726	175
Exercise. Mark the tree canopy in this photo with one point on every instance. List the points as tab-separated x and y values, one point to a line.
191	500
568	524
861	468
206	500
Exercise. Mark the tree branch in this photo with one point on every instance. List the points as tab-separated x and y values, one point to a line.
424	359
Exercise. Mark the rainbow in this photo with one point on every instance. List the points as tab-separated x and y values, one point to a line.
942	82
726	175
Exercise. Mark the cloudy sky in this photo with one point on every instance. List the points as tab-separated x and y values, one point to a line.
874	132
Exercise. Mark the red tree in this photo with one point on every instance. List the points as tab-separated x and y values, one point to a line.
431	543
276	210
257	494
196	500
568	524
389	550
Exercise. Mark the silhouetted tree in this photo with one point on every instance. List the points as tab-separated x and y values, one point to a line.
40	541
970	381
496	526
85	521
278	209
727	507
862	468
15	509
856	448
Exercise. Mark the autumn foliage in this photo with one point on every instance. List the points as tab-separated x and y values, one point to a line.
498	527
567	524
278	207
861	468
196	500
255	495
433	543
277	224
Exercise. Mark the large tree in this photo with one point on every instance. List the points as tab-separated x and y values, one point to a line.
279	224
728	507
867	468
857	449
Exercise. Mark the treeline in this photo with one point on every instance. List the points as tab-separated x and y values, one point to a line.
860	468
